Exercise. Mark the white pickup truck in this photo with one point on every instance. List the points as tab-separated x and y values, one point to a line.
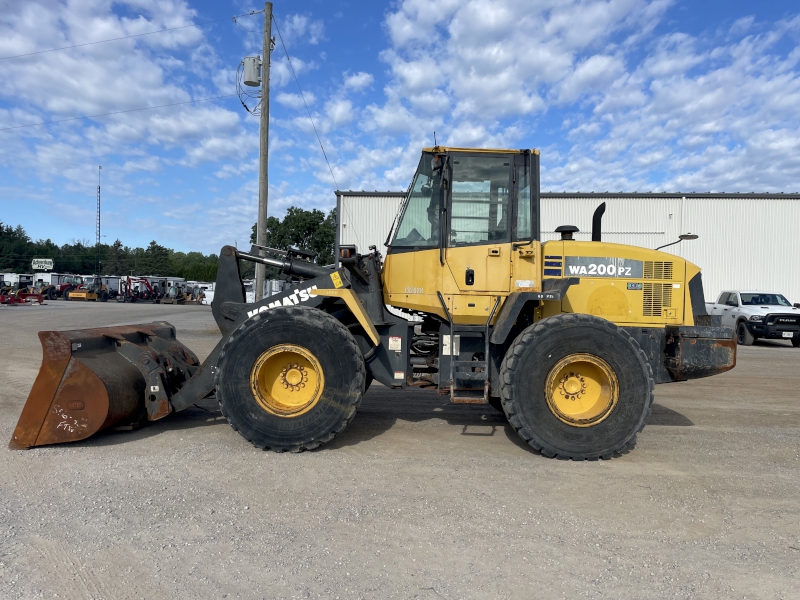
758	315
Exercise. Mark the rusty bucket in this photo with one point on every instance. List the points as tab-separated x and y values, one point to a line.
92	379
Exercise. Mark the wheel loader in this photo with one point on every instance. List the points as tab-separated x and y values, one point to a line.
566	337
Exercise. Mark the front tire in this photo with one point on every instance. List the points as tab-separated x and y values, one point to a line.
290	379
743	336
576	386
796	342
52	294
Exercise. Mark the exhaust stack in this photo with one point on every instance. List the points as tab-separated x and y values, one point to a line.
597	221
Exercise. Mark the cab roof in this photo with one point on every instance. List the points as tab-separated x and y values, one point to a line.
477	150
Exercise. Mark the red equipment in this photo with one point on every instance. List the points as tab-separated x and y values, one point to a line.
128	294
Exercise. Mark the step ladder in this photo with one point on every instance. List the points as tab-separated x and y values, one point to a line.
463	383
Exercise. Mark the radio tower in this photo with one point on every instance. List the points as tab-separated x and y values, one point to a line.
97	228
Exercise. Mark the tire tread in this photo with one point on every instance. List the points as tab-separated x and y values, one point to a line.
509	367
321	320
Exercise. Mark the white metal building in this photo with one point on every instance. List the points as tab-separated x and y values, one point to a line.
747	241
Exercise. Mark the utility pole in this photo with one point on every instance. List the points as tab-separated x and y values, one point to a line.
97	228
263	180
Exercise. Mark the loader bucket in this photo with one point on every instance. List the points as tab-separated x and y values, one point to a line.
92	379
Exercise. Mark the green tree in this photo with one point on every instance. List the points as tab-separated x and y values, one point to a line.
156	260
15	248
113	261
304	229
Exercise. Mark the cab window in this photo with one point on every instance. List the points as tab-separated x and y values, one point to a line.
732	301
419	223
524	228
479	205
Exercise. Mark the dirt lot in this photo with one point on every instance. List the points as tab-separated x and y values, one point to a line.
416	499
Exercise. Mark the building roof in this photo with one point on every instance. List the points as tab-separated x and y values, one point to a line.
709	195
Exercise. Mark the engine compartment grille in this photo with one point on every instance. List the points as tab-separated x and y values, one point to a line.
656	296
657	269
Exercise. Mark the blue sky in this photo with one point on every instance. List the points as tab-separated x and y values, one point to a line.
630	95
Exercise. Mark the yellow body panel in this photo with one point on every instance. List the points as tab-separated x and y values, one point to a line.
651	291
411	279
82	295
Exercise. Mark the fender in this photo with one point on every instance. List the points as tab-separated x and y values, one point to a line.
554	290
355	306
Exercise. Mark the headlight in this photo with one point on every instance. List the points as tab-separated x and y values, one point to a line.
756	318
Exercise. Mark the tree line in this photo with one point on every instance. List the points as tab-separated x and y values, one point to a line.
307	229
17	250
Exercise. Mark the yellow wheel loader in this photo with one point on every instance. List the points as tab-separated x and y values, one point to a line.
567	338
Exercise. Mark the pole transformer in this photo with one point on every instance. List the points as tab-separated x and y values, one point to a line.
263	180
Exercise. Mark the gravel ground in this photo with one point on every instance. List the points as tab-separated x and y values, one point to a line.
416	499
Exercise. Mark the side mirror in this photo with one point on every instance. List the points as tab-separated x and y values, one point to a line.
796	305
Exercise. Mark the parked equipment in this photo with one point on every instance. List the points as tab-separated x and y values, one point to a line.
66	284
136	289
93	289
175	295
193	295
8	293
568	338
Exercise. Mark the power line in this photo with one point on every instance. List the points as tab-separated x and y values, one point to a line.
118	112
310	118
304	102
255	12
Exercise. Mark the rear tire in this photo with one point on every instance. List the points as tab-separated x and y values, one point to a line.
576	386
103	297
268	401
743	336
66	293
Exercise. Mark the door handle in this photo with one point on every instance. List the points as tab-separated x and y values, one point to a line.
469	277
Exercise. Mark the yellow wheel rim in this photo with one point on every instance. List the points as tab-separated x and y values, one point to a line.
582	390
287	380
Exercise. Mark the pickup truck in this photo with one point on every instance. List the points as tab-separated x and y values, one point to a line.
758	315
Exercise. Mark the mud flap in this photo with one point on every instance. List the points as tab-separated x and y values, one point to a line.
92	379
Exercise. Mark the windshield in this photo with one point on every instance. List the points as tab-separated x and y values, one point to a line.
764	300
419	225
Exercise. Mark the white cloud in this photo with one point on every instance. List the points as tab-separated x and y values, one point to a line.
295	101
358	81
280	74
593	74
302	29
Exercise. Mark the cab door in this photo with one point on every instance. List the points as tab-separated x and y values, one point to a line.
478	212
526	270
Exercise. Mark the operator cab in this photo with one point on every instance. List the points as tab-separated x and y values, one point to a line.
471	219
469	197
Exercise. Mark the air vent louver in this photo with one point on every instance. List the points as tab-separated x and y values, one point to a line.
657	270
656	296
